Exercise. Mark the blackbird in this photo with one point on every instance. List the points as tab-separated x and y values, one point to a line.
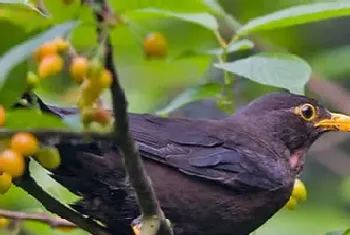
212	177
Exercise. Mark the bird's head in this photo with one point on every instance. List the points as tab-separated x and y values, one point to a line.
294	121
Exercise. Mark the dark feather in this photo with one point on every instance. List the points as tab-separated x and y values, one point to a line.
201	154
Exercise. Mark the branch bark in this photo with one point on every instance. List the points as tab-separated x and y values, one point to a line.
153	218
52	221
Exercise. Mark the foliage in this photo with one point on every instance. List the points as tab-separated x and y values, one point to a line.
198	48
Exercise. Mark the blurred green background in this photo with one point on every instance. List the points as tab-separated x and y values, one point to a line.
151	84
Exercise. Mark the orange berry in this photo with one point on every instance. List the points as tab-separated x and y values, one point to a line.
49	48
24	143
49	158
50	65
61	44
137	229
12	163
79	68
5	183
155	45
106	79
102	116
2	115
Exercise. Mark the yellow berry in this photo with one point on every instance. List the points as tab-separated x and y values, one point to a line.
155	46
2	115
299	190
79	68
90	91
61	44
32	79
291	204
4	223
24	143
50	65
12	163
106	79
95	69
49	158
87	114
5	183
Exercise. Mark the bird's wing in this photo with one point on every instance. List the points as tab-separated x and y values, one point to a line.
185	145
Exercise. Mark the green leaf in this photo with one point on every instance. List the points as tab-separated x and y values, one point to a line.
33	119
42	177
334	233
11	88
274	69
203	19
192	94
295	16
346	232
333	63
24	15
237	46
75	10
170	5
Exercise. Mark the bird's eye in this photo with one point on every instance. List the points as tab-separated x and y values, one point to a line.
307	112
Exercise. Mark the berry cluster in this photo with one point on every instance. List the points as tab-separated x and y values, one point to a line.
93	79
49	57
299	194
90	75
16	149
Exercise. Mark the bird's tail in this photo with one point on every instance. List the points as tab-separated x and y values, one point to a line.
94	171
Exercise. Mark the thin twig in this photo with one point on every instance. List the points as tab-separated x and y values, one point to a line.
52	221
54	206
153	220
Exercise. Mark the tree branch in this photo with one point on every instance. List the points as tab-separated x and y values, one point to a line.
38	217
153	219
51	204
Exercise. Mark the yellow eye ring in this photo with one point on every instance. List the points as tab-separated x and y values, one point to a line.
307	112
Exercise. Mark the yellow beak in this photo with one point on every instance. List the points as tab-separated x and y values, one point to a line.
337	122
